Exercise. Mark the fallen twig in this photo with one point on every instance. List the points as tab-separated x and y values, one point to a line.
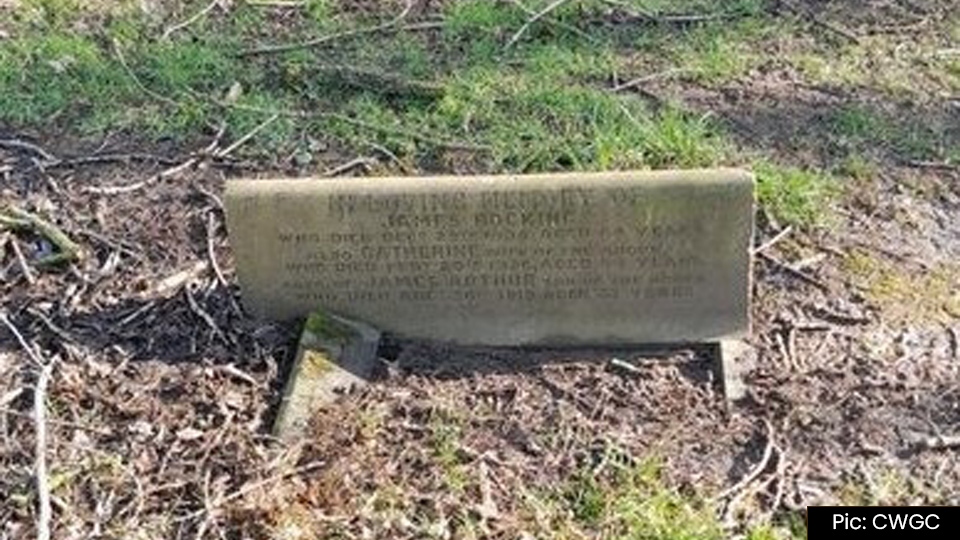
44	513
24	267
234	371
824	313
217	202
756	471
740	490
809	262
249	135
536	17
817	21
779	479
558	24
352	164
626	366
20	144
60	332
773	241
115	190
252	486
635	366
91	160
10	397
215	265
386	152
954	342
208	517
211	253
799	274
194	18
168	285
678	18
167	173
106	158
136	313
783	350
206	317
939	442
934	165
69	250
286	47
632	83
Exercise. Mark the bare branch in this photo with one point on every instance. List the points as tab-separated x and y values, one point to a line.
19	144
196	17
18	218
45	512
536	17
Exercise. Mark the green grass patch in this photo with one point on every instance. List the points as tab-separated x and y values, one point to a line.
445	435
879	63
42	76
794	196
906	295
858	167
453	98
715	55
862	129
547	110
632	502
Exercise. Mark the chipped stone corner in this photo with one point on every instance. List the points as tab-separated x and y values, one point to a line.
334	354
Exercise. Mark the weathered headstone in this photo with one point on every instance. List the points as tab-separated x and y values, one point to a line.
601	258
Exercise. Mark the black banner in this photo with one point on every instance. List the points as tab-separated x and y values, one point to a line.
883	522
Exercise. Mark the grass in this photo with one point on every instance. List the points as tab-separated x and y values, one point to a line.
639	505
793	195
896	68
445	434
888	485
546	111
906	295
457	98
630	501
861	128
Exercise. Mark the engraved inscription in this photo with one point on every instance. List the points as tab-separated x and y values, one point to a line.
582	258
499	247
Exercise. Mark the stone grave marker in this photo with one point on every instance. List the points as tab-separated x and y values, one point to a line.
602	258
555	259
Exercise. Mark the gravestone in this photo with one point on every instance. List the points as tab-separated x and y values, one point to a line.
556	259
560	259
